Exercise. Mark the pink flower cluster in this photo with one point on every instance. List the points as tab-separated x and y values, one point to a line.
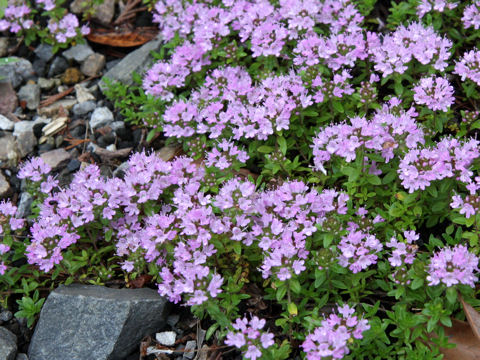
16	18
224	155
67	28
177	236
393	53
434	92
389	128
427	6
8	224
337	332
358	250
228	104
469	66
449	158
451	266
249	337
471	15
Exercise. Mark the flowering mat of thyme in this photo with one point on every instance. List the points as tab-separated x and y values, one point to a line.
326	202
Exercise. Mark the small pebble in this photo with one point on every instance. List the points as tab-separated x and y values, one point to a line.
166	338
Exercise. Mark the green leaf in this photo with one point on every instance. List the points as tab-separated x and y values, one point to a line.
281	291
337	105
374	180
211	330
283	144
295	286
265	149
292	309
452	295
151	134
416	284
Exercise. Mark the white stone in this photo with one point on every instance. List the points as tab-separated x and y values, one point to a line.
6	124
100	117
166	338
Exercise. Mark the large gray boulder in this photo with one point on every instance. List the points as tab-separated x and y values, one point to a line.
94	322
137	61
17	71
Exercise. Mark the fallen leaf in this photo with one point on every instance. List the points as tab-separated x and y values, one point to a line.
468	346
473	317
140	281
126	38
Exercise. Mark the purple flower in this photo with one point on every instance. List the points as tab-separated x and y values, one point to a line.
249	337
469	66
434	92
358	251
471	15
332	338
34	169
452	266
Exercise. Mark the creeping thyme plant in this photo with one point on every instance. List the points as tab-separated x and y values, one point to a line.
330	165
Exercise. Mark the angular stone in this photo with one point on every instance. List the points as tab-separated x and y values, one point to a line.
85	322
83	94
58	66
17	71
44	52
5	190
166	338
30	93
21	356
100	117
83	108
56	158
190	349
8	100
9	155
46	84
24	206
8	344
138	61
6	124
78	53
93	65
26	125
26	142
104	12
52	109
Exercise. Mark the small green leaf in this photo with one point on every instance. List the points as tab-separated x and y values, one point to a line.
292	309
265	149
283	144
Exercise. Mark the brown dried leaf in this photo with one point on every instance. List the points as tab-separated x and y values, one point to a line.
473	318
468	346
127	38
140	281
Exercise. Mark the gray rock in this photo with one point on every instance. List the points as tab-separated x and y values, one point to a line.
104	12
78	53
8	100
3	46
101	117
117	125
21	356
24	205
52	109
46	84
138	61
27	126
57	67
39	66
8	344
166	338
6	315
93	322
17	71
30	93
190	349
172	320
26	142
82	94
93	65
9	155
111	147
5	191
83	108
44	52
56	158
6	124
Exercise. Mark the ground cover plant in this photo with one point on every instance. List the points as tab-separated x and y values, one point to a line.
327	202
